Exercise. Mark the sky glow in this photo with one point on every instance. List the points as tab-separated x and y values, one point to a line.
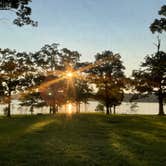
89	26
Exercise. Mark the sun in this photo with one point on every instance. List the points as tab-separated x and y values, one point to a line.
69	108
69	74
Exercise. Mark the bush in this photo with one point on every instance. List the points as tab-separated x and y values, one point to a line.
100	107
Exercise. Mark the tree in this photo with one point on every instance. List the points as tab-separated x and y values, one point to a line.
151	78
46	59
14	69
99	108
159	25
82	92
54	94
113	96
69	59
108	78
32	100
33	97
22	10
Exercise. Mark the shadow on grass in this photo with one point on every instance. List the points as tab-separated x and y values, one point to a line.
87	139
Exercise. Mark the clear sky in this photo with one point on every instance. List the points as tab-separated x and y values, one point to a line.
89	26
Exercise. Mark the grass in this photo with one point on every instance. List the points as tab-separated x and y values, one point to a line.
85	139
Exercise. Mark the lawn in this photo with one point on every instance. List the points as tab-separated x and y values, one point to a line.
85	139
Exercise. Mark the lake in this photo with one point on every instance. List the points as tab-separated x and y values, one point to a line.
124	108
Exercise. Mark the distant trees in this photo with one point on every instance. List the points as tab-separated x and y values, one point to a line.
22	10
32	99
109	79
159	25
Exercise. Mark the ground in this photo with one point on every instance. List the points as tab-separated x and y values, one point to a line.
85	139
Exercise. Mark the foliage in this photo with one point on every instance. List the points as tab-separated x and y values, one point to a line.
159	25
109	79
99	107
22	10
14	73
69	58
134	106
32	100
82	92
152	77
47	57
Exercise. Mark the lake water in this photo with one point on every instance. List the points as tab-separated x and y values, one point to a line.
124	108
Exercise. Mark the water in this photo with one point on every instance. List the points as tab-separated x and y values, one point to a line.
124	108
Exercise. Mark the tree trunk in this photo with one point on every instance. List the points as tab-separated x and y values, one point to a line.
9	105
50	111
85	107
110	110
160	98
54	110
57	108
77	107
114	109
8	111
107	109
31	109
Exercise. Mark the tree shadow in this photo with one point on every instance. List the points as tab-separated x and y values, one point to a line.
88	140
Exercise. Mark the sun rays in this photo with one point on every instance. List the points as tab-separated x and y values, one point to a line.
68	75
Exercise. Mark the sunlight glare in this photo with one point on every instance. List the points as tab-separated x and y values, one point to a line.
69	74
69	108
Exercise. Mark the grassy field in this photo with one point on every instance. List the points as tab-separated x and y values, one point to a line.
85	139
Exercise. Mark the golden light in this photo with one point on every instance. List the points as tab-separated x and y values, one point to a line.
69	74
69	108
49	94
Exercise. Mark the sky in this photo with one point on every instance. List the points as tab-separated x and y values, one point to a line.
88	26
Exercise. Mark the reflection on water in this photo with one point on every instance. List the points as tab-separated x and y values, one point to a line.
124	108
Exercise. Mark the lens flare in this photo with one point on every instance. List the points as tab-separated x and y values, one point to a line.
69	74
69	108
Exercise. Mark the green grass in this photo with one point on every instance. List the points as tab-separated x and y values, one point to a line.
85	139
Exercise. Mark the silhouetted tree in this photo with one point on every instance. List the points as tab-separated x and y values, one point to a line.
69	59
99	108
14	71
82	92
22	10
152	77
32	100
54	94
109	79
47	58
159	25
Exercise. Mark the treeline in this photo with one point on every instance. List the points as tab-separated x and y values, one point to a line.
55	77
148	98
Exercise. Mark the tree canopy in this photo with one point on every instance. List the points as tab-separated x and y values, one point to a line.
159	25
151	78
109	79
22	10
